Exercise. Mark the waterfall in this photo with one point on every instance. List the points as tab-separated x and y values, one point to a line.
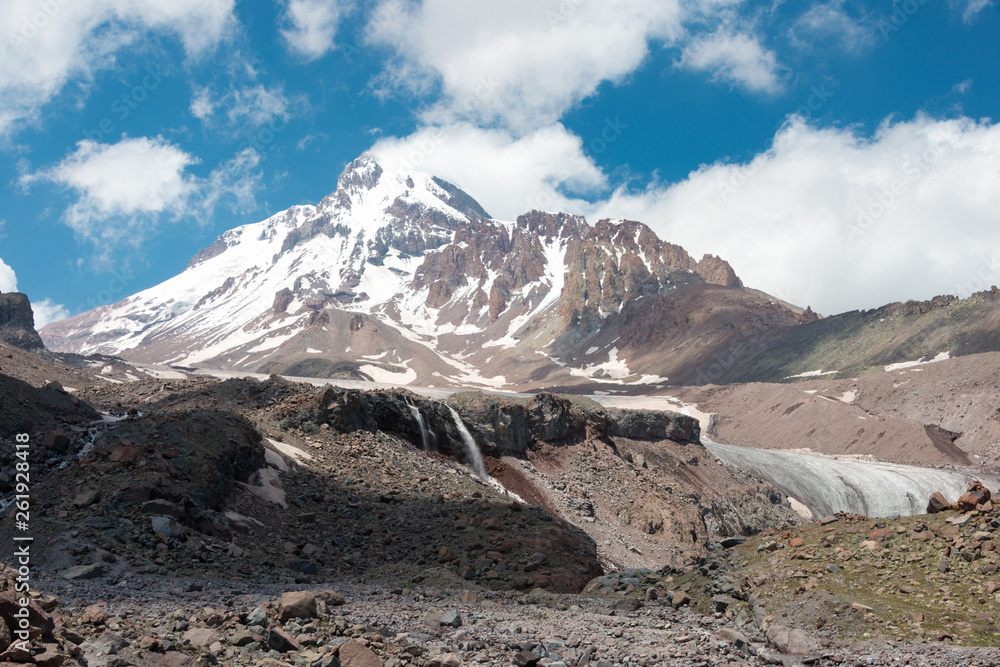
424	434
471	450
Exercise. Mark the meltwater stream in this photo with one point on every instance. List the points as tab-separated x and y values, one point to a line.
827	485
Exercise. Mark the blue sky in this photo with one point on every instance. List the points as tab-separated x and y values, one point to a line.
840	155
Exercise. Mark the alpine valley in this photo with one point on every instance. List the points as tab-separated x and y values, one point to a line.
389	429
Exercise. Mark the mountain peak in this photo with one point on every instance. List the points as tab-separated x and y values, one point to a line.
362	173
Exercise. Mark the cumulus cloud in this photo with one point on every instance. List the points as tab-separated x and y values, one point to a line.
312	26
252	106
545	169
827	217
47	311
735	58
519	64
8	280
829	21
124	190
50	44
836	220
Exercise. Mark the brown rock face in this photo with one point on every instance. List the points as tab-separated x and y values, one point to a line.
282	298
717	271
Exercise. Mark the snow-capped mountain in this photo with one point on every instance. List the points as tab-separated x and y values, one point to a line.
401	277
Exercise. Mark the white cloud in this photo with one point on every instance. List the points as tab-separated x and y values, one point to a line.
970	8
830	22
826	217
522	63
8	280
47	311
124	190
313	26
508	175
735	58
202	106
838	221
247	107
47	45
123	181
259	105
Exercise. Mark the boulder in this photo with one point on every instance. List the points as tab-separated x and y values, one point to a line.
296	604
56	441
794	641
92	571
977	494
937	503
356	654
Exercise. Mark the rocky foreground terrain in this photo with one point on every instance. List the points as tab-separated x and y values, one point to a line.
243	522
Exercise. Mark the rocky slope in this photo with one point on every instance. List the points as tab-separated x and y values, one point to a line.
402	278
859	342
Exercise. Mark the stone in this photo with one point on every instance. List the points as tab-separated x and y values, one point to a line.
92	571
123	454
628	605
160	507
241	637
796	542
680	599
257	617
356	654
794	641
446	555
56	441
5	636
731	542
328	597
86	498
165	525
943	566
302	566
977	494
937	503
986	507
168	659
201	638
491	524
526	659
281	641
296	604
452	619
95	614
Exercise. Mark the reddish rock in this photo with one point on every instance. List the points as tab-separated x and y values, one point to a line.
296	604
124	454
94	615
796	542
977	494
356	654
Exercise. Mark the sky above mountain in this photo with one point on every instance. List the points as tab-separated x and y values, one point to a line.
840	155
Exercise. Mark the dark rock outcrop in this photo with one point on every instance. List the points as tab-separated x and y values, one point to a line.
17	322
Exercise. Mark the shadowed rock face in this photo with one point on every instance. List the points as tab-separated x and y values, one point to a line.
17	322
500	426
